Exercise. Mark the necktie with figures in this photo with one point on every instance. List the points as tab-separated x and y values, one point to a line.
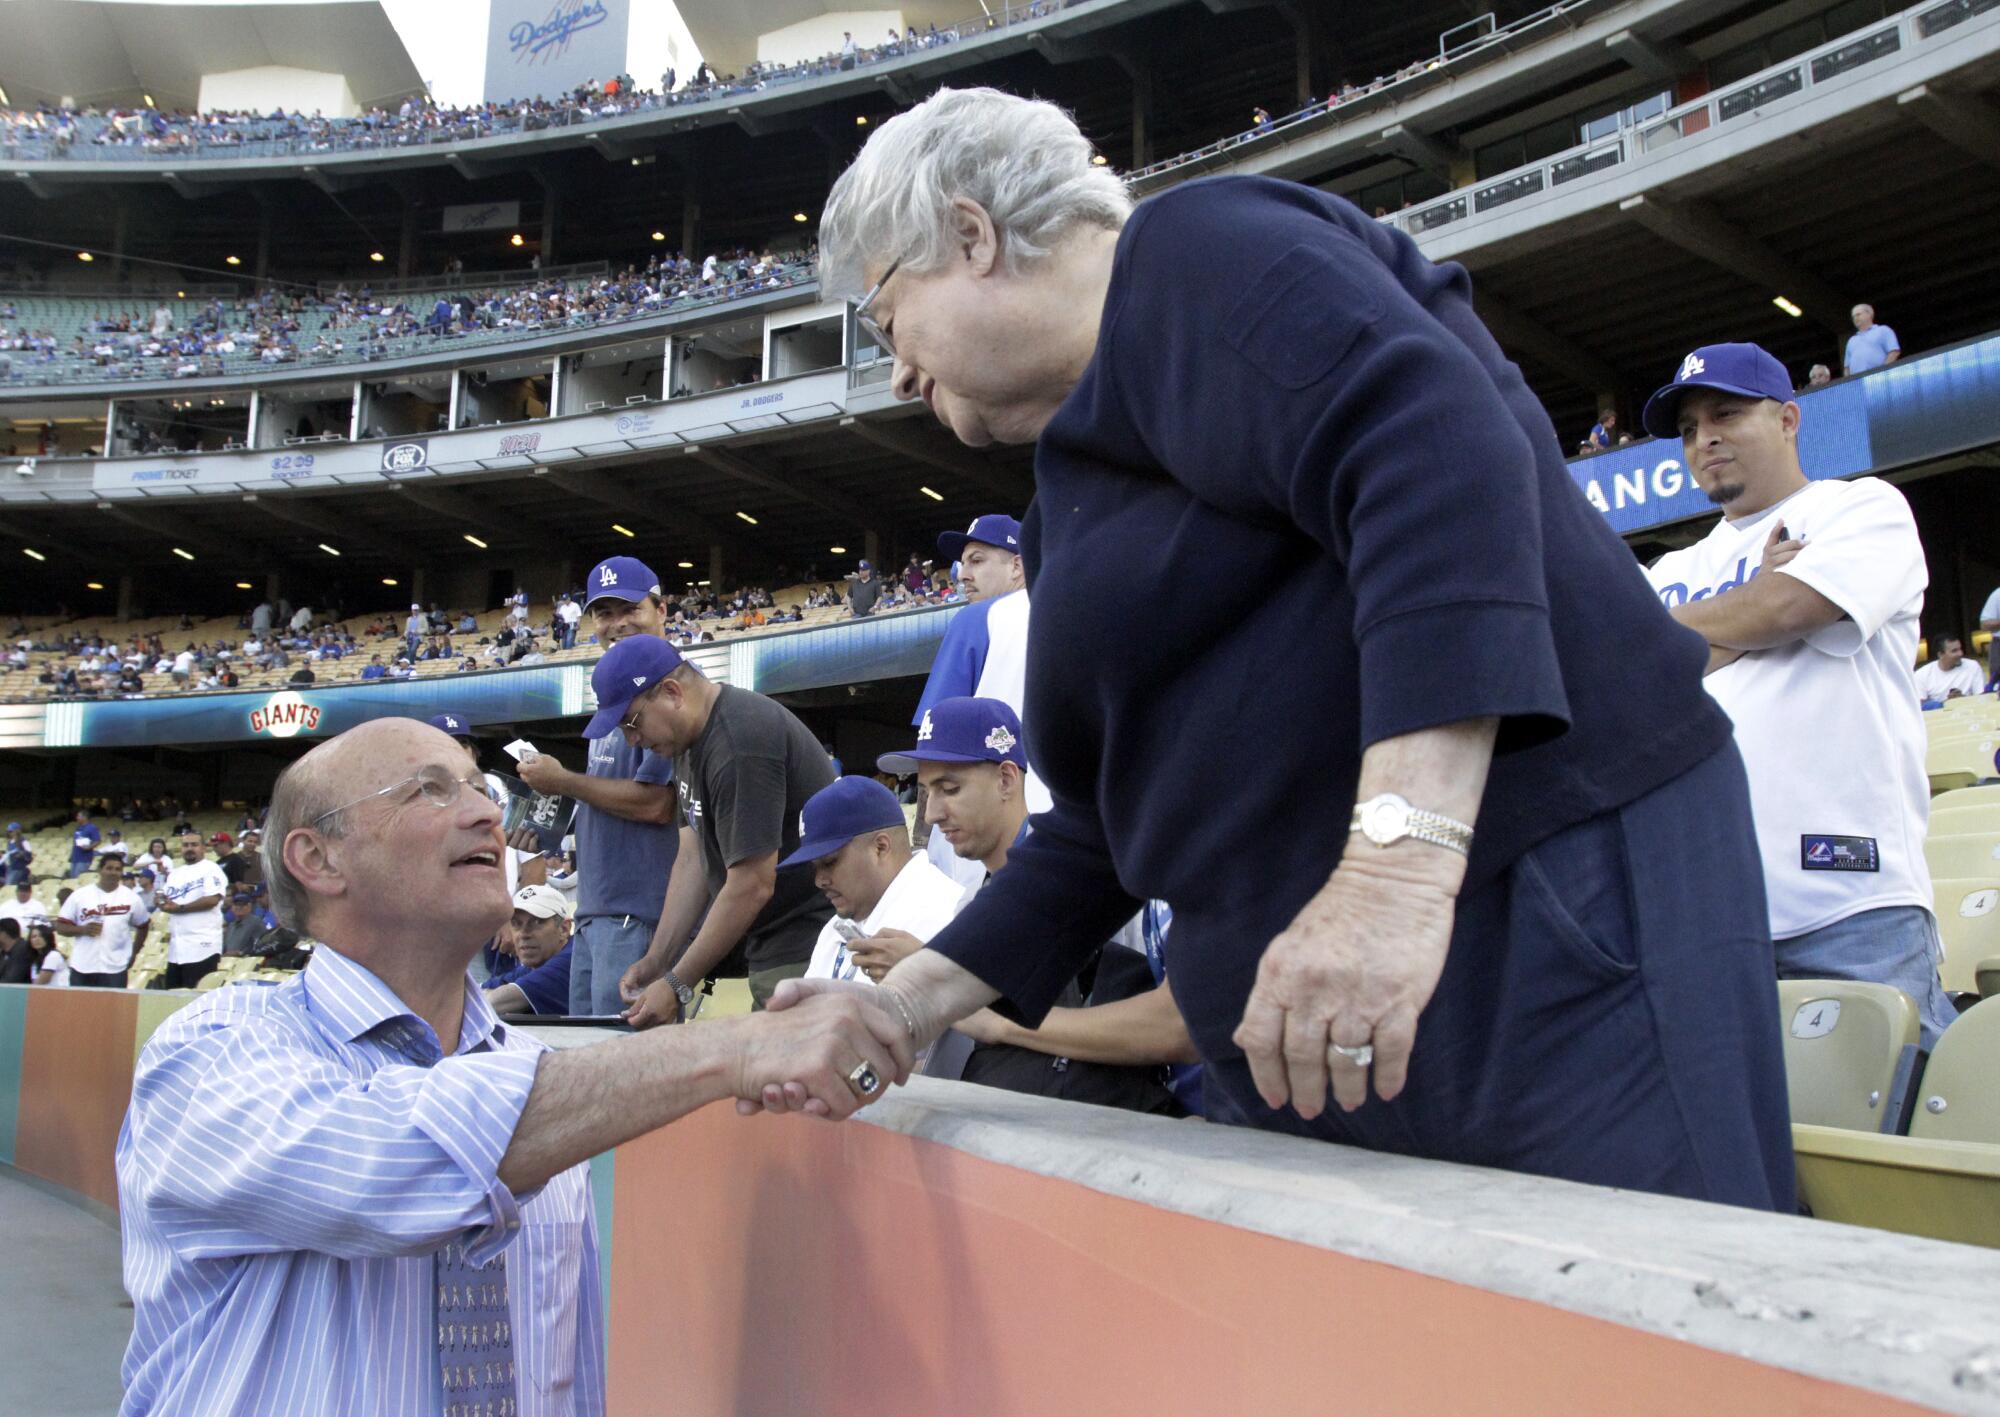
475	1336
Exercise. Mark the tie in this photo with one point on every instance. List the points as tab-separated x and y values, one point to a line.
475	1339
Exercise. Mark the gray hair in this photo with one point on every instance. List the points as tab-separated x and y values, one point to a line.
301	796
1023	160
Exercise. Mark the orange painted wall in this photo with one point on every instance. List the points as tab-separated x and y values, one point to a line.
76	1077
772	1266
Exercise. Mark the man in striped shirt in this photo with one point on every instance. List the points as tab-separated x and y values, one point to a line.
360	1193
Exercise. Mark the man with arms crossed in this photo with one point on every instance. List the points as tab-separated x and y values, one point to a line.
745	767
1808	594
625	838
360	1193
192	894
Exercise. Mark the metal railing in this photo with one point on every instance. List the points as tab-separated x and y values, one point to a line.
1782	83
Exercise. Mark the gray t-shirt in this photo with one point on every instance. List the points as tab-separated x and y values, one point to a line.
742	786
623	866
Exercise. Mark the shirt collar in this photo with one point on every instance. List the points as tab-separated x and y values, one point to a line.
354	1001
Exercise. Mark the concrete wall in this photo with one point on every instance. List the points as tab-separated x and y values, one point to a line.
271	87
965	1250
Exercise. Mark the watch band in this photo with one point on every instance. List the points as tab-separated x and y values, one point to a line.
1387	818
682	994
1440	830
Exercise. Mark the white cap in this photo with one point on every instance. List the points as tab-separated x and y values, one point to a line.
416	607
542	902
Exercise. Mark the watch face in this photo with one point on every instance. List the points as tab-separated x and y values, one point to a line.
1385	820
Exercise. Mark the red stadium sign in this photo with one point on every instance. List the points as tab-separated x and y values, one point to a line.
284	715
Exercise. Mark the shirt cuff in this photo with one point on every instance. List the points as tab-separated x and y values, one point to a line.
1448	663
469	1107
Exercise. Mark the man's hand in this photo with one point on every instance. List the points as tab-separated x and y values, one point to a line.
880	953
95	927
1779	549
985	1026
1355	967
524	839
543	773
790	1094
656	1004
643	971
809	1049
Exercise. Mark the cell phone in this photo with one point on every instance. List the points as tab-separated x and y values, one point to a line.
847	929
1783	534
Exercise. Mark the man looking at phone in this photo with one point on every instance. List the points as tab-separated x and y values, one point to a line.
1809	594
853	836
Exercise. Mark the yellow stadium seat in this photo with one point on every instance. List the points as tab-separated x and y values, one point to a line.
1971	703
1946	1190
1850	1052
1959	1098
1987	796
731	999
1979	819
1963	855
1961	762
1968	914
1987	973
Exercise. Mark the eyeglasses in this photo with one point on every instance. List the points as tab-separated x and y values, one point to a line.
631	725
434	784
867	321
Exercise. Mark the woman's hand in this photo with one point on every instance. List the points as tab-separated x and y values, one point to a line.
1355	967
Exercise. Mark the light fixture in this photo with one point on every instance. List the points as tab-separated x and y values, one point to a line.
838	550
475	541
515	240
180	295
622	530
388	580
659	236
232	260
745	516
243	585
1787	306
375	256
93	585
1098	160
701	582
329	550
934	496
32	554
861	120
800	216
85	257
684	565
185	556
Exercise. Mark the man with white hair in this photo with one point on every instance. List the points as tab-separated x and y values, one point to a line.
1871	346
404	1224
413	630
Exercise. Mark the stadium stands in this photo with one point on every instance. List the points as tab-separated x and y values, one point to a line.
1850	1052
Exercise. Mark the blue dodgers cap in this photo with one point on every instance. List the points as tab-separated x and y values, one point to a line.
962	731
835	815
994	529
620	578
1744	369
453	723
629	668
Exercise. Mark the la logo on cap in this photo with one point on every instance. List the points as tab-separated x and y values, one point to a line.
606	576
1690	367
924	730
450	722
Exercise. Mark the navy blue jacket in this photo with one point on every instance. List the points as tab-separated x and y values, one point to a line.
1299	503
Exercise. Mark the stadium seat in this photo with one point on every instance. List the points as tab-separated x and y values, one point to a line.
1972	703
1987	973
1981	819
1850	1052
1987	796
1963	854
1959	1098
1961	762
1968	914
1946	1190
731	999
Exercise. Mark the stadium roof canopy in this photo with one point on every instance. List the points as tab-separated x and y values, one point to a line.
115	54
727	31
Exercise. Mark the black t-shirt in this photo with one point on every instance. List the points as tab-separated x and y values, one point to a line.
742	787
16	965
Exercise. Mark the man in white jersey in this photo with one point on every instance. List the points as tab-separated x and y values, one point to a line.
854	837
1951	675
192	893
106	924
1808	594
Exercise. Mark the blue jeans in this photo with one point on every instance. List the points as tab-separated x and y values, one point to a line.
606	946
1897	944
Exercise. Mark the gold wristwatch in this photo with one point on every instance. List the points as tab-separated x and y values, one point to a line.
1387	819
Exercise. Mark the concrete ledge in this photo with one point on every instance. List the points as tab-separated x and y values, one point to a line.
1913	1319
96	1210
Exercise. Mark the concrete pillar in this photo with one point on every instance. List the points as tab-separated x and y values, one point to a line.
417	588
273	588
871	548
551	216
691	211
1464	171
121	229
715	565
128	597
1142	108
261	262
406	241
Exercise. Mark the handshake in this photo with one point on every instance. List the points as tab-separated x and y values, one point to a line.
824	1047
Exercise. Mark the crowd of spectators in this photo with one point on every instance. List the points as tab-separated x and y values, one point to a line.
70	132
290	327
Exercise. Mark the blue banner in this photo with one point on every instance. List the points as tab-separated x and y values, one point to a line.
1913	410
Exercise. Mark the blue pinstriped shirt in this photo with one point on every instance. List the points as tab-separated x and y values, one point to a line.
292	1159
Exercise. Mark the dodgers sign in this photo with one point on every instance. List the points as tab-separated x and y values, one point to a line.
541	48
